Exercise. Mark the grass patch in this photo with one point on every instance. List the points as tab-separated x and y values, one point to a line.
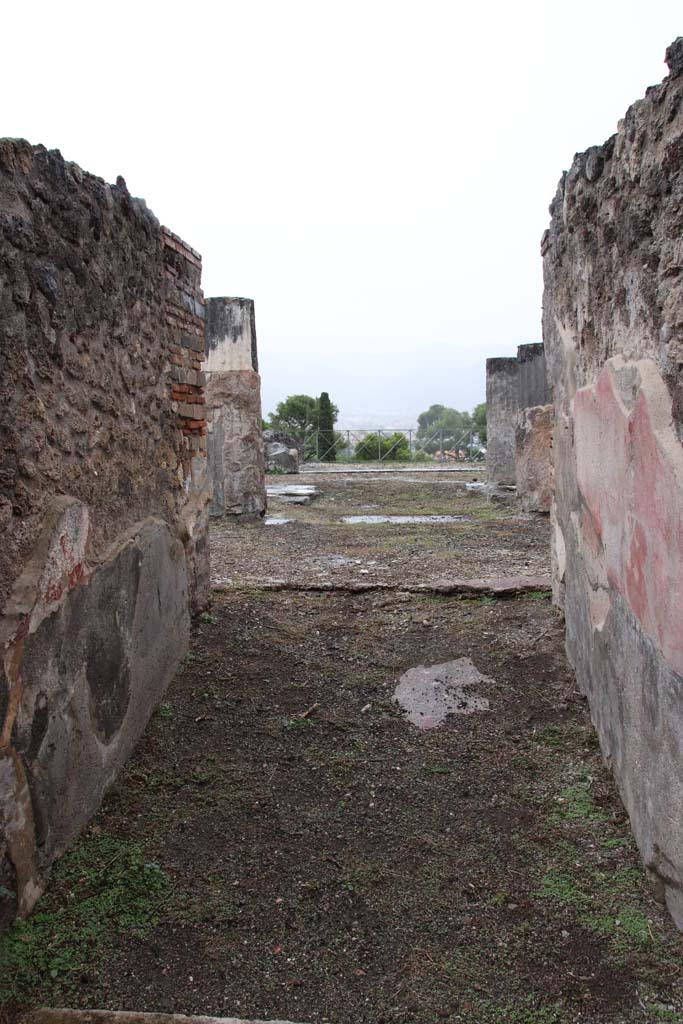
102	889
561	737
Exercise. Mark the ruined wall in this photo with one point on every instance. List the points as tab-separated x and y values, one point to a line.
532	376
233	395
103	492
533	457
613	331
502	403
533	432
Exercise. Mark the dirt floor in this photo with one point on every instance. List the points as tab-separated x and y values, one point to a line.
316	546
285	844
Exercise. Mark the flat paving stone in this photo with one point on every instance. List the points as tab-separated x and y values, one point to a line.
428	694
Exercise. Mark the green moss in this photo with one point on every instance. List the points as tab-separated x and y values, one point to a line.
576	803
560	737
525	1010
560	886
112	891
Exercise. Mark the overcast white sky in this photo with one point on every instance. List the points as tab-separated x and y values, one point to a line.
375	174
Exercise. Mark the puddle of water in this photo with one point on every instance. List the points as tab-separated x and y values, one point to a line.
337	561
276	521
428	694
403	519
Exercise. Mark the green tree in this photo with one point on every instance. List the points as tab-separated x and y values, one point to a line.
479	422
441	427
299	416
391	447
326	435
426	419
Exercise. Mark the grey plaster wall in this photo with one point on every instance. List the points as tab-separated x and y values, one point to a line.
92	670
533	380
231	334
613	335
502	403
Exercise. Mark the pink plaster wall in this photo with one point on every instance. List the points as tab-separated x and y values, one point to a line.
630	474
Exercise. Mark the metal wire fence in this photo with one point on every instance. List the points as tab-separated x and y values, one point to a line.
384	445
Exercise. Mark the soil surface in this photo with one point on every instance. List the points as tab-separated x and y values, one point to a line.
316	546
286	844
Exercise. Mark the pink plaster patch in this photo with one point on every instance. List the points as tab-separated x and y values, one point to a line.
630	472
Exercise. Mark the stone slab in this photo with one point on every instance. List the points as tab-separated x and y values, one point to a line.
509	586
66	1016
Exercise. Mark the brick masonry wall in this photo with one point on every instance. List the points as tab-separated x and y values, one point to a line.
103	492
185	320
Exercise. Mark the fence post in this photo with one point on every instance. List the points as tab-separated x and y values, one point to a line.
442	457
379	445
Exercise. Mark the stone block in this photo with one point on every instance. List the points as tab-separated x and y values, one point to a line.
280	459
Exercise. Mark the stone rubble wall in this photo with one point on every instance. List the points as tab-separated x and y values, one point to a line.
234	419
103	493
533	458
613	333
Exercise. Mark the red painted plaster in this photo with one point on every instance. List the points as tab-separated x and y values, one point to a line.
630	476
